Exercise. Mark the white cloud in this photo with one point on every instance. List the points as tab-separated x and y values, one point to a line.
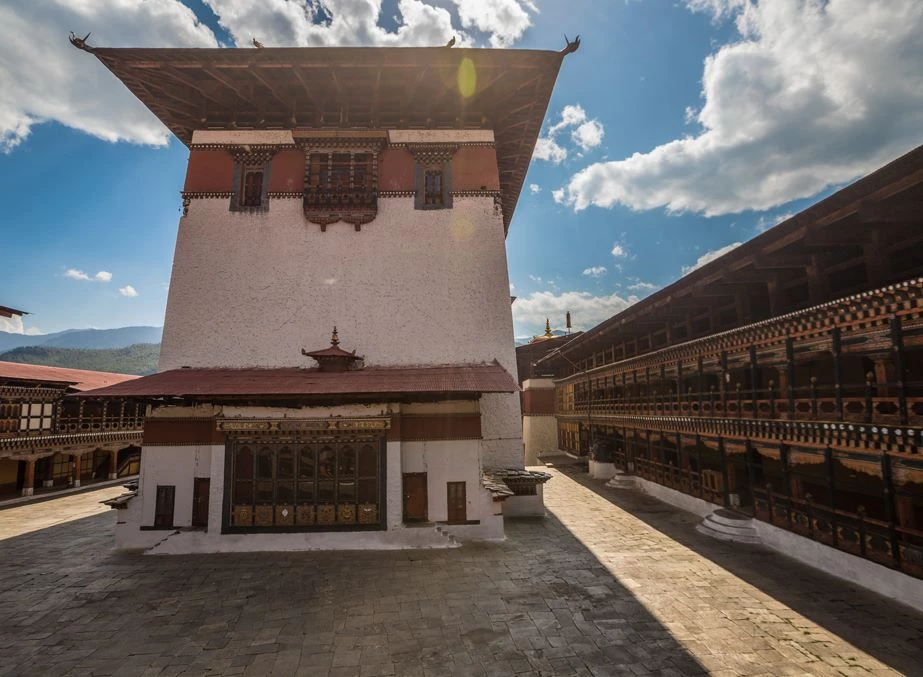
643	286
101	276
534	188
45	78
504	20
558	195
766	222
306	23
618	251
549	150
710	256
512	287
586	134
128	291
595	271
13	325
587	311
810	94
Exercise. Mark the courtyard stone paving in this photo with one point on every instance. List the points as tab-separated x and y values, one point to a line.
612	582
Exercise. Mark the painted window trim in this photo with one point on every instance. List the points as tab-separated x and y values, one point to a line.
419	182
239	168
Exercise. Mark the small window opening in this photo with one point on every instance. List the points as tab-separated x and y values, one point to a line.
432	195
251	194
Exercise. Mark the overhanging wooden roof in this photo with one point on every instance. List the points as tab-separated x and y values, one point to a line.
343	88
382	382
74	379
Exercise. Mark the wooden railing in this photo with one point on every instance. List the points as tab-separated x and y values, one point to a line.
855	404
853	532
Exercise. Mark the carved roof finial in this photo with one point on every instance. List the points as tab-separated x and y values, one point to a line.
548	329
571	47
334	338
80	43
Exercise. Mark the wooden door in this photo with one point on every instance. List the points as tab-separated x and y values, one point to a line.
163	509
200	490
415	498
456	501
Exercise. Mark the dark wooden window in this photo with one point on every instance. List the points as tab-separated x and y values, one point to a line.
251	189
163	509
432	193
306	484
433	186
456	502
339	180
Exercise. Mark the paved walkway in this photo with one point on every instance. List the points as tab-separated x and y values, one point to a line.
610	583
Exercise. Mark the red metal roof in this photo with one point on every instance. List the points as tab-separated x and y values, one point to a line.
76	379
294	382
6	311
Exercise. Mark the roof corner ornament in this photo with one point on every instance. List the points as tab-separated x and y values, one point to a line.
451	43
571	47
257	43
80	43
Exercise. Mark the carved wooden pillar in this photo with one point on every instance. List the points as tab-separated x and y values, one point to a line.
836	350
28	485
885	376
789	376
114	464
754	382
75	470
898	360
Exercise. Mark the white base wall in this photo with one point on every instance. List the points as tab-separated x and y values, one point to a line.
443	461
601	471
539	436
862	572
526	506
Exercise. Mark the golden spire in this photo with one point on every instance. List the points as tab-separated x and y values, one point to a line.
548	329
334	339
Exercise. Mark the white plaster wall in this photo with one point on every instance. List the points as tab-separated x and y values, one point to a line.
677	498
875	577
441	136
413	287
446	461
243	136
526	506
601	471
501	430
395	489
176	466
539	435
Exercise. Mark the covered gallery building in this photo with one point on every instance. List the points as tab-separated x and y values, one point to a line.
49	440
783	379
337	360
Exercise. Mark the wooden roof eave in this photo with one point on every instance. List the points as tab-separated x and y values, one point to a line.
348	88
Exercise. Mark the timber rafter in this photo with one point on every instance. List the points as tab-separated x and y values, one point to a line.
349	88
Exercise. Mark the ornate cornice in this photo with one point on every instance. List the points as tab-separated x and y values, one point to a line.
432	152
358	143
66	441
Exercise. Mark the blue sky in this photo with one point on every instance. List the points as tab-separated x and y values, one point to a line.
677	130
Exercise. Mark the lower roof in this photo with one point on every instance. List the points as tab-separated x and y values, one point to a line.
291	382
75	379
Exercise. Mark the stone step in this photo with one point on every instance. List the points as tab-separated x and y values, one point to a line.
622	481
728	526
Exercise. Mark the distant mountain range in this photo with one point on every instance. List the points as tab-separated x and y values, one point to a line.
140	358
121	337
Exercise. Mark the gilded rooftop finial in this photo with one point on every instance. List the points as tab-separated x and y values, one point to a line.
334	338
548	329
80	43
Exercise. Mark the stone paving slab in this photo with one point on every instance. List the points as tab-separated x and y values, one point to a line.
611	583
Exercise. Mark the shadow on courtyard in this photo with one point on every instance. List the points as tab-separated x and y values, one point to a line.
539	603
886	630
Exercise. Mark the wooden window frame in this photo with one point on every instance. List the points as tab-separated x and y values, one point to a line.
241	169
420	194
